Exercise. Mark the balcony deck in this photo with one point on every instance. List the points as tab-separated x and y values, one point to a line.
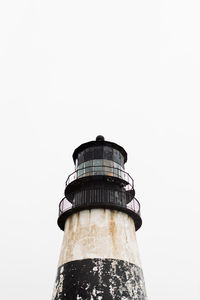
66	208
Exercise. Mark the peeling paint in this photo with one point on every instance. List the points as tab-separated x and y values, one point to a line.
100	279
99	258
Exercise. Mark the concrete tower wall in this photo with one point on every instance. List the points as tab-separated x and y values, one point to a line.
99	258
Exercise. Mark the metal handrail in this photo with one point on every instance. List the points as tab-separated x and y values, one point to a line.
65	205
93	169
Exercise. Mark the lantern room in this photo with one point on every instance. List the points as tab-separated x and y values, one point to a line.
99	181
99	157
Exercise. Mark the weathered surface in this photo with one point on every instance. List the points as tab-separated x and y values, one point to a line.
99	233
99	279
99	258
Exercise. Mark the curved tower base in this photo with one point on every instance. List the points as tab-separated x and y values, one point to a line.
99	279
99	258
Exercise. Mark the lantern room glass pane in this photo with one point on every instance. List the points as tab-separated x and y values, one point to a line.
88	154
116	169
121	159
98	152
107	153
76	163
116	156
88	163
98	166
108	167
88	167
81	157
81	170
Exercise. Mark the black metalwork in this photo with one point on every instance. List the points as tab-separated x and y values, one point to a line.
66	209
99	186
104	170
99	149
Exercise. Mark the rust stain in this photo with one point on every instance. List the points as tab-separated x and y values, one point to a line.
98	233
113	231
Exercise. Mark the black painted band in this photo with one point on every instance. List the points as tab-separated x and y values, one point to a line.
99	279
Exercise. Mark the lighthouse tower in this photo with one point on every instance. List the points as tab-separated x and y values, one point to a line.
99	215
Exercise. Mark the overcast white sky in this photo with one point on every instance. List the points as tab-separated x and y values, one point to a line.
70	70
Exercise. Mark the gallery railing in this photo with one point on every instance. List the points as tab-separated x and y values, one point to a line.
65	205
102	170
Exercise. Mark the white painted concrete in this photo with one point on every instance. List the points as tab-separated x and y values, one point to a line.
99	233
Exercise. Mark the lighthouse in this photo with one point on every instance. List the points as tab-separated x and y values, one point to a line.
99	215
